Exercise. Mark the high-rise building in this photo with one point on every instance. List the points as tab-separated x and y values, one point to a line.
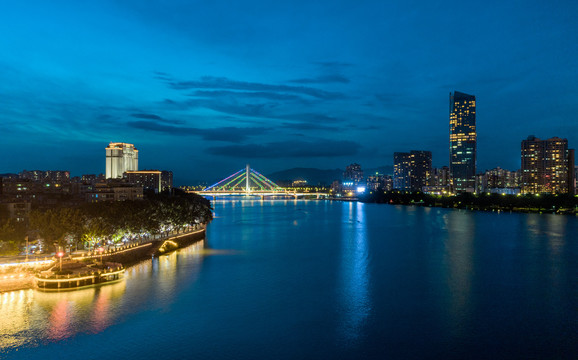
463	141
379	182
401	171
547	166
120	157
411	171
575	178
155	180
352	177
498	180
148	179
440	176
166	180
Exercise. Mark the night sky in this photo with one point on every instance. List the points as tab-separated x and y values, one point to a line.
203	87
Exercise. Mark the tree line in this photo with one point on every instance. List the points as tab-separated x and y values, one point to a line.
552	203
93	224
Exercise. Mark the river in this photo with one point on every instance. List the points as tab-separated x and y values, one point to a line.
325	280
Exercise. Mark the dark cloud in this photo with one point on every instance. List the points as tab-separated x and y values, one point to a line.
245	94
310	117
162	76
211	82
231	134
168	129
228	134
226	106
327	79
147	116
156	118
309	126
266	110
289	149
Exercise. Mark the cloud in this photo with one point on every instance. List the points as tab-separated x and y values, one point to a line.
162	76
244	94
211	82
309	126
156	118
310	117
229	134
147	116
226	106
262	110
289	149
327	79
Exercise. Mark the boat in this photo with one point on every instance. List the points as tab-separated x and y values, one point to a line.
75	274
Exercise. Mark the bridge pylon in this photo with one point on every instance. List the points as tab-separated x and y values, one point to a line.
246	180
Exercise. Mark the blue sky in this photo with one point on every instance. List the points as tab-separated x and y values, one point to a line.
202	87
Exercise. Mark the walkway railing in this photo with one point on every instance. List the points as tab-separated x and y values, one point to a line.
141	243
111	251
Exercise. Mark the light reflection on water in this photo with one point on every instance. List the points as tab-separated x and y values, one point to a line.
354	271
461	231
32	317
322	279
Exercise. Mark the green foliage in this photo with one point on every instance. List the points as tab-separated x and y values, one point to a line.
12	235
553	203
94	223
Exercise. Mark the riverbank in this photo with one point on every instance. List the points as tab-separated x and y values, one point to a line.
20	276
563	204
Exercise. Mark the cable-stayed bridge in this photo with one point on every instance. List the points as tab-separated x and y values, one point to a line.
248	182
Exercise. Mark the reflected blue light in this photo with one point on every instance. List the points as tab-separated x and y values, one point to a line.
356	302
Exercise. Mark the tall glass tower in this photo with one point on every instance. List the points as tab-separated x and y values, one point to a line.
463	142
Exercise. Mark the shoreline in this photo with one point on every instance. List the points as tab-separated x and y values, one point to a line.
23	279
566	212
558	204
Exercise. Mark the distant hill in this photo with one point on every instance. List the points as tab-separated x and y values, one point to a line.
320	176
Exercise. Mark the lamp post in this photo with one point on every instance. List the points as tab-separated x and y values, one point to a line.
27	248
60	254
101	250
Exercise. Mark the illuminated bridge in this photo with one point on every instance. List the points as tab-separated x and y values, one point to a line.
248	182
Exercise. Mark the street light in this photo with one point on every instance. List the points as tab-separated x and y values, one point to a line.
60	254
27	248
101	250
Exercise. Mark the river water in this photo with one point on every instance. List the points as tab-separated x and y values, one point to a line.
325	280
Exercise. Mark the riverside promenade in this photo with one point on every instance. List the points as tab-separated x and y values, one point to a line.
17	274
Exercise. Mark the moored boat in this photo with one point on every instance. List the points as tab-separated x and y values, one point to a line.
75	274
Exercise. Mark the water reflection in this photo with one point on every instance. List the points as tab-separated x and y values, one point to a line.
34	317
548	235
461	232
11	326
356	303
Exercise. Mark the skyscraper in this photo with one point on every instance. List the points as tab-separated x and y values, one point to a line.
401	171
412	171
120	157
547	166
463	141
148	179
353	173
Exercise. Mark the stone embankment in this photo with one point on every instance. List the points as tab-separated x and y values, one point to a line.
19	276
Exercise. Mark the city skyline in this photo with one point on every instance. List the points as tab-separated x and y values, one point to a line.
285	85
